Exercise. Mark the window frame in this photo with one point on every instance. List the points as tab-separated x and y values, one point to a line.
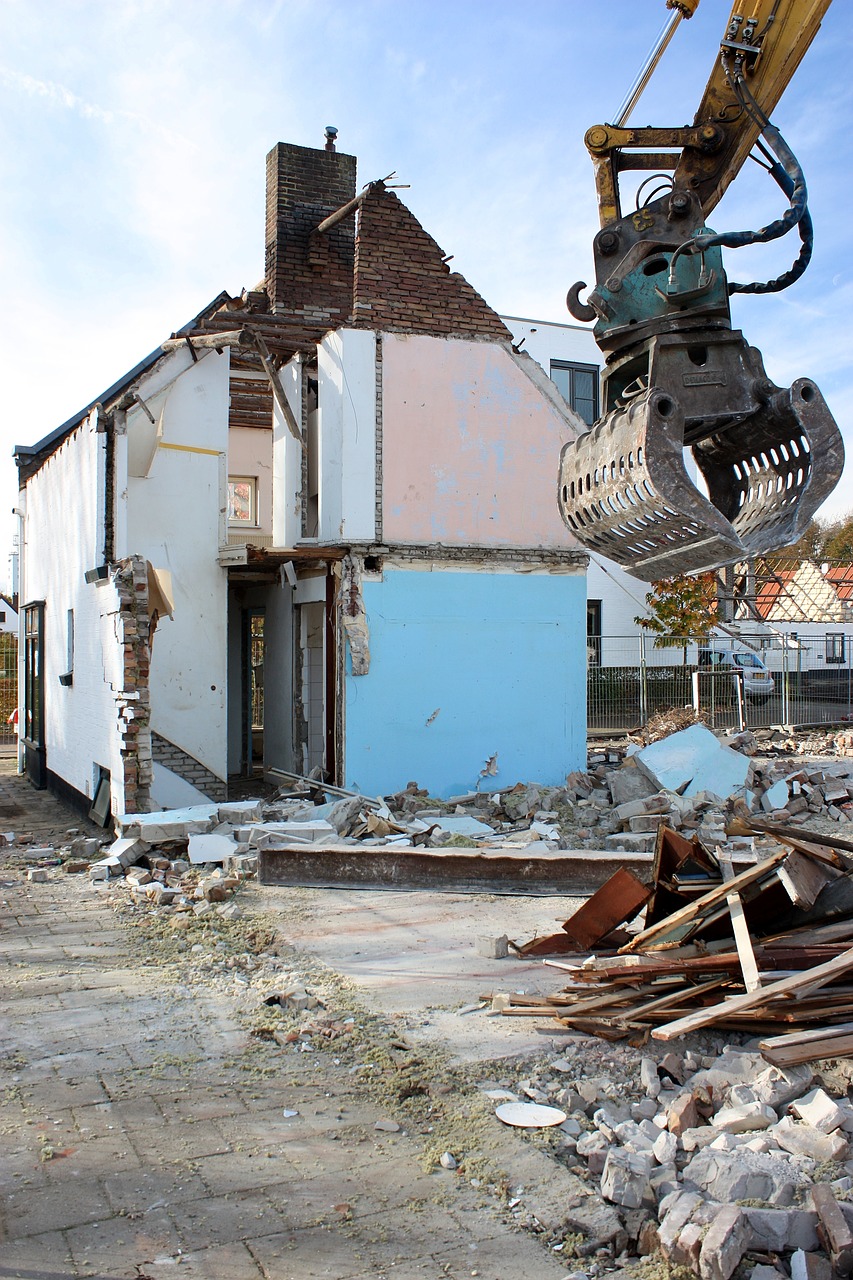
237	522
571	367
835	647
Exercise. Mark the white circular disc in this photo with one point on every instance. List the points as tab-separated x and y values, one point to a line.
529	1115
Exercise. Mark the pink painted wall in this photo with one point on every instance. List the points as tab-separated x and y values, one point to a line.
471	446
250	454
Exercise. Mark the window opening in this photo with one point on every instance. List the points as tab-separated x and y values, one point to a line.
578	385
242	500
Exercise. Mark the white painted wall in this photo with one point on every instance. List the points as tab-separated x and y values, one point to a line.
346	363
287	462
62	540
176	519
546	341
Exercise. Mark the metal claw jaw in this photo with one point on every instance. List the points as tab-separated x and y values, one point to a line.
625	492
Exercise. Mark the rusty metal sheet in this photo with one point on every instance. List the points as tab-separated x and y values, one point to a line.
618	900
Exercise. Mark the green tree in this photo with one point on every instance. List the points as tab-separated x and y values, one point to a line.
682	609
837	541
808	547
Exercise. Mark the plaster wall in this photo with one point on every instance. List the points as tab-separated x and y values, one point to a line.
63	539
250	453
471	443
467	664
287	462
346	376
176	519
546	341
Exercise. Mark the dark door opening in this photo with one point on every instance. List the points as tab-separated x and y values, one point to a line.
35	752
253	691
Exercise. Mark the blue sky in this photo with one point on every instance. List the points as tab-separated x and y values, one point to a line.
132	166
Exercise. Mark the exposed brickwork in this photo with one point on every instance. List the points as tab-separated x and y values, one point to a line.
187	767
132	700
309	276
402	283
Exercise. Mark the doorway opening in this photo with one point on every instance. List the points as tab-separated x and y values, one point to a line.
253	690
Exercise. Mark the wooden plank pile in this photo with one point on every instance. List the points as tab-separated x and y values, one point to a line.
767	950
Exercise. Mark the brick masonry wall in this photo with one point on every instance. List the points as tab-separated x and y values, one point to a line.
309	275
187	767
402	282
132	700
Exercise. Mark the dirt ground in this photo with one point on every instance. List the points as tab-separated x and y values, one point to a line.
163	1114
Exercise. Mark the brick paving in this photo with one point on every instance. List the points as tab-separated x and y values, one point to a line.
135	1140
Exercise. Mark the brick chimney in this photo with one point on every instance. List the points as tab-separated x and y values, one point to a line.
309	275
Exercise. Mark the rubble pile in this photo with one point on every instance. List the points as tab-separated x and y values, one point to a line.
717	1161
690	781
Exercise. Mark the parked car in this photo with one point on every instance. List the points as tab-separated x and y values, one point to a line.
744	664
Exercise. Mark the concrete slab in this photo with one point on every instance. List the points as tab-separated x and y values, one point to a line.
462	824
209	847
169	824
413	955
309	831
693	760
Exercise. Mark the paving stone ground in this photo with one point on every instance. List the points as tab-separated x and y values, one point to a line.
134	1143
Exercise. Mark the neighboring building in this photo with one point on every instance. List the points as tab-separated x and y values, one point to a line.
810	605
8	616
334	498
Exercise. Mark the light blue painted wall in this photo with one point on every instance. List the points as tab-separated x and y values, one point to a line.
501	658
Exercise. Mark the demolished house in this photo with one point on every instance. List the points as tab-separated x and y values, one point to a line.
333	497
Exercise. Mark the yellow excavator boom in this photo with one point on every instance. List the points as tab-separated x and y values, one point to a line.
677	375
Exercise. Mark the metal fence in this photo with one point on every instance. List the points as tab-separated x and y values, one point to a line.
808	680
8	688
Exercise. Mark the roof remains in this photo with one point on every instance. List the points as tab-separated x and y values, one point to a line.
402	281
804	593
371	266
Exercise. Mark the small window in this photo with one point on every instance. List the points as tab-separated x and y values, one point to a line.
242	500
67	678
593	633
578	385
835	646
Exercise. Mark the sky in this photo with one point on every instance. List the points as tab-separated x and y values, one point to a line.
133	136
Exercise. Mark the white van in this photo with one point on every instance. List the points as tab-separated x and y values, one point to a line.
758	683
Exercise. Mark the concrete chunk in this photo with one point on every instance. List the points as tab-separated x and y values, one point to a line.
744	1119
693	760
679	1211
744	1175
803	1140
819	1110
128	850
168	824
625	1178
725	1243
810	1266
210	848
775	1230
238	812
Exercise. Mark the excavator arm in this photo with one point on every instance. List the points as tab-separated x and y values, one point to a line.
677	375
